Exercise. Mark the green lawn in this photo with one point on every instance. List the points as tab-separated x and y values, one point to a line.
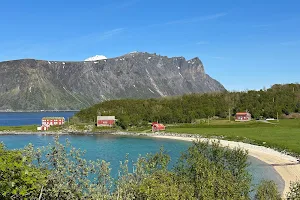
31	128
282	135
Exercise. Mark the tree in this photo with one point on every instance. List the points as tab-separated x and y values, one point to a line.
19	179
163	185
123	122
215	172
70	174
267	190
283	99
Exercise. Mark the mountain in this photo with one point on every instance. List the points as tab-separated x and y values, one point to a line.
30	84
95	58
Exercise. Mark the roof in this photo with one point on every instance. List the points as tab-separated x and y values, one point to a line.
106	118
53	118
159	125
242	113
45	125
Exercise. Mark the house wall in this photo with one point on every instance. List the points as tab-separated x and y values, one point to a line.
157	127
245	117
53	121
105	122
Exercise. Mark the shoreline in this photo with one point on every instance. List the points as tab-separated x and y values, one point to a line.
288	167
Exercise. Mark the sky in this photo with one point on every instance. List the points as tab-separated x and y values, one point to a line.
244	44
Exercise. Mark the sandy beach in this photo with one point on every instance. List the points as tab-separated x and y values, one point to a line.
287	166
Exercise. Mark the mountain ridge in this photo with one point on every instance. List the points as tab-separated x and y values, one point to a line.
29	84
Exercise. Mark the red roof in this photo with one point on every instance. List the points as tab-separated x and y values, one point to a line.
159	125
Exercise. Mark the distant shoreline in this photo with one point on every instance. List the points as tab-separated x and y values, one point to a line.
288	167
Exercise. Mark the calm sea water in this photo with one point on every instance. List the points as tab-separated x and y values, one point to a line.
114	148
29	118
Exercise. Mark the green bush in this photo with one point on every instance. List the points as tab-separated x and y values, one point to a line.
294	193
19	179
267	190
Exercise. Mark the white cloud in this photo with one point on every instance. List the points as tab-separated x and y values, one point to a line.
202	42
290	43
116	6
111	33
197	19
261	25
127	4
42	50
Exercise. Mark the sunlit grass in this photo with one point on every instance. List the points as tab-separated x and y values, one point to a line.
29	128
284	134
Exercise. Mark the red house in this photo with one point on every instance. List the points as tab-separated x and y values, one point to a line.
242	116
108	121
53	121
44	127
157	127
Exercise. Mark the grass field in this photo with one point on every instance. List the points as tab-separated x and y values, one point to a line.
283	135
30	128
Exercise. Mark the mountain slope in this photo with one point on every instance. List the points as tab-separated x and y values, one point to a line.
35	84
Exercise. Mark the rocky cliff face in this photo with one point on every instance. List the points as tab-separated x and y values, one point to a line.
35	84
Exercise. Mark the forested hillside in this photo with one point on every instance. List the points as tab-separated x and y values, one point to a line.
281	99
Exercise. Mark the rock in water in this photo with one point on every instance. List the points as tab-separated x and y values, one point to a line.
36	84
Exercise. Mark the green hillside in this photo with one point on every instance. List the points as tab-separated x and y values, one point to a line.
281	99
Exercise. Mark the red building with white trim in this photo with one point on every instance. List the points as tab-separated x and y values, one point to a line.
242	116
52	121
107	121
157	127
44	127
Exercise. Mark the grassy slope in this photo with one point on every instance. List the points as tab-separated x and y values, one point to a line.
282	135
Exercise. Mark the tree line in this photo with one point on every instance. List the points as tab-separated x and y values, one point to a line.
279	99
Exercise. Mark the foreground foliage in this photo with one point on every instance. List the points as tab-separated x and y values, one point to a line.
294	191
19	178
267	190
59	171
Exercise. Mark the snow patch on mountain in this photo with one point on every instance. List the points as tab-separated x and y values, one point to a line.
95	58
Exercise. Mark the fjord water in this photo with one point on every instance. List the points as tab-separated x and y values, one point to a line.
29	118
114	148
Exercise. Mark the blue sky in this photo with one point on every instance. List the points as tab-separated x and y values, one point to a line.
245	44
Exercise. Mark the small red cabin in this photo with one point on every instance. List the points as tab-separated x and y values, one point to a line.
157	127
106	121
242	116
44	127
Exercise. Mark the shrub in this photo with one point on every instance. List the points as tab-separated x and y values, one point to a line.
19	179
294	193
267	190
